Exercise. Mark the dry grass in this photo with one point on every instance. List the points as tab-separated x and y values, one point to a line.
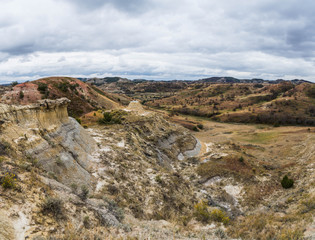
265	227
227	166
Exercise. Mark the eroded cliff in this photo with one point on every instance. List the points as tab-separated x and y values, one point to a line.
44	132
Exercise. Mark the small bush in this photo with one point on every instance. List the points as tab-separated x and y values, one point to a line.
241	159
158	179
74	187
115	210
8	181
21	95
220	233
59	162
78	120
200	126
308	204
42	87
195	128
4	147
86	222
219	216
63	86
201	211
84	193
287	182
53	206
114	117
32	160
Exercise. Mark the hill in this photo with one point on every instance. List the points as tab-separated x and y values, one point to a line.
84	98
277	103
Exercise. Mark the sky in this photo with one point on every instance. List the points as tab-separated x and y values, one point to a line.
157	39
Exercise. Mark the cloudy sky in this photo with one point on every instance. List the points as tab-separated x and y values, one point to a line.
157	39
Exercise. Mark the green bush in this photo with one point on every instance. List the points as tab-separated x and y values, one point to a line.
74	187
86	222
287	182
113	117
78	120
42	87
63	86
195	128
84	193
4	147
115	209
21	95
219	216
53	206
158	179
201	211
8	181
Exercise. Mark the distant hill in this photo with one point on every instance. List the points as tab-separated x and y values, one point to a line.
279	102
254	80
84	98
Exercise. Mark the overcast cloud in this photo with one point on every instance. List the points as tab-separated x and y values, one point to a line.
157	39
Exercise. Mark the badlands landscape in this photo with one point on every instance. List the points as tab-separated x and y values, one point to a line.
78	162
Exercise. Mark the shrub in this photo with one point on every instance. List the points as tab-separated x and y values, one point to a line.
115	210
287	182
158	179
21	95
53	206
201	211
220	233
308	204
219	216
200	126
74	187
59	162
78	120
195	128
114	117
42	87
86	222
32	160
63	86
84	193
4	147
241	159
8	181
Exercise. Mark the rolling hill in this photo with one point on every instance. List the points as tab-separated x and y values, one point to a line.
84	98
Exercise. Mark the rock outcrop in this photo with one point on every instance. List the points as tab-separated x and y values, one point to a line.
44	132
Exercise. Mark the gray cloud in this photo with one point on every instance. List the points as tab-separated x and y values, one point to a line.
157	38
